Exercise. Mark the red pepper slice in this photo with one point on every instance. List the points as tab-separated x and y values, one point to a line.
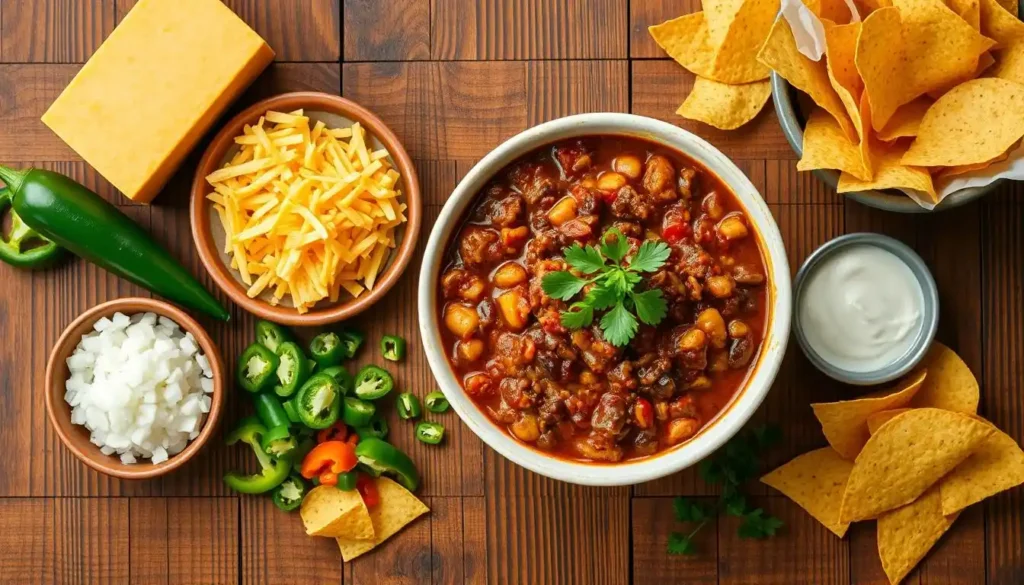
353	440
368	490
327	460
336	432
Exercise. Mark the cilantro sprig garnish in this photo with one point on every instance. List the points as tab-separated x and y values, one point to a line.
731	467
614	289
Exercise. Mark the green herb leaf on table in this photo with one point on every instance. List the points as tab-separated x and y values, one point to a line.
612	286
730	467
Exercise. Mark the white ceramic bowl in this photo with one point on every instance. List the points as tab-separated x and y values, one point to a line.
732	417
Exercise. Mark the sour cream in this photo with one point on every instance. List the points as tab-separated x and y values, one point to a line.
861	308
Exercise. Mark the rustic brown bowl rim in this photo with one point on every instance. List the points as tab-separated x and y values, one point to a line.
199	209
76	437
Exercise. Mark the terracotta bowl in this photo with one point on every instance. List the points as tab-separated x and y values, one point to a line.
76	437
209	235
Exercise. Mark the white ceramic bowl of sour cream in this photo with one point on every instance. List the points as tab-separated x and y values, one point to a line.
714	434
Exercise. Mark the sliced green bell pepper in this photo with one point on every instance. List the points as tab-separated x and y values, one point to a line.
12	246
272	471
279	442
382	457
256	368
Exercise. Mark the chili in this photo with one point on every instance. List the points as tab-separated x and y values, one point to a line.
271	335
256	368
436	402
290	412
13	246
368	490
288	496
347	481
77	219
408	406
392	348
270	411
336	432
341	376
378	428
326	349
357	413
272	471
430	433
351	340
327	460
279	442
382	457
318	402
373	383
293	369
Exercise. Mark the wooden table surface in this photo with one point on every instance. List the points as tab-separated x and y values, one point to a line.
454	78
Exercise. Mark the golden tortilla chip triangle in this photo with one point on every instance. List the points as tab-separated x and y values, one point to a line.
875	421
845	422
879	47
826	146
890	173
397	508
908	455
906	120
686	40
905	535
328	511
815	481
997	465
725	106
950	384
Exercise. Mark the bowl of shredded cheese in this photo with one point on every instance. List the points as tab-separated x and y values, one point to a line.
305	209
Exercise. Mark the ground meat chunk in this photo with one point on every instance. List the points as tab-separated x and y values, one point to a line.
610	414
530	180
629	204
573	158
687	177
478	245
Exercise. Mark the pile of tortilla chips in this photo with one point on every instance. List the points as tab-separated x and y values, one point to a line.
720	45
912	458
343	515
906	94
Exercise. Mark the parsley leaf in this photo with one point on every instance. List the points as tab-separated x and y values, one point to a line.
602	297
758	525
580	315
619	325
650	306
562	285
680	544
650	257
735	505
687	510
614	245
585	259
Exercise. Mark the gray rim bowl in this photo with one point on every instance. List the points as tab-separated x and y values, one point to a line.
929	313
792	123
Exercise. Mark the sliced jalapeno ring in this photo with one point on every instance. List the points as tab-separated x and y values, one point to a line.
318	402
430	433
351	340
373	383
347	481
326	349
378	429
256	368
357	413
436	402
341	376
408	406
271	335
292	370
392	348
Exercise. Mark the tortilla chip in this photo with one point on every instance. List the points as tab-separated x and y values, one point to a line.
997	465
969	10
397	508
840	47
1009	62
719	16
975	122
875	421
998	24
723	105
907	456
906	120
877	56
736	57
826	146
328	511
939	47
811	77
845	423
816	482
943	172
905	535
1009	5
686	40
950	384
836	11
891	174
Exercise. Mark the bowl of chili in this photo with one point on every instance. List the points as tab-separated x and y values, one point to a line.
605	299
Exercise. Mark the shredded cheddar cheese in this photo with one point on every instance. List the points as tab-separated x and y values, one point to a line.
307	210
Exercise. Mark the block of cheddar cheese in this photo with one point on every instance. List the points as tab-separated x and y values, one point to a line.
154	87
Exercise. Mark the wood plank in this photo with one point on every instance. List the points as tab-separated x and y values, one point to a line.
406	558
528	29
1002	397
148	562
275	548
26	91
560	88
27	541
54	31
659	86
645	13
202	540
653	522
546	537
803	552
297	30
395	30
91	540
474	540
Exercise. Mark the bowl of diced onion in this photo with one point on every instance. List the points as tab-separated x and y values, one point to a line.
134	387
